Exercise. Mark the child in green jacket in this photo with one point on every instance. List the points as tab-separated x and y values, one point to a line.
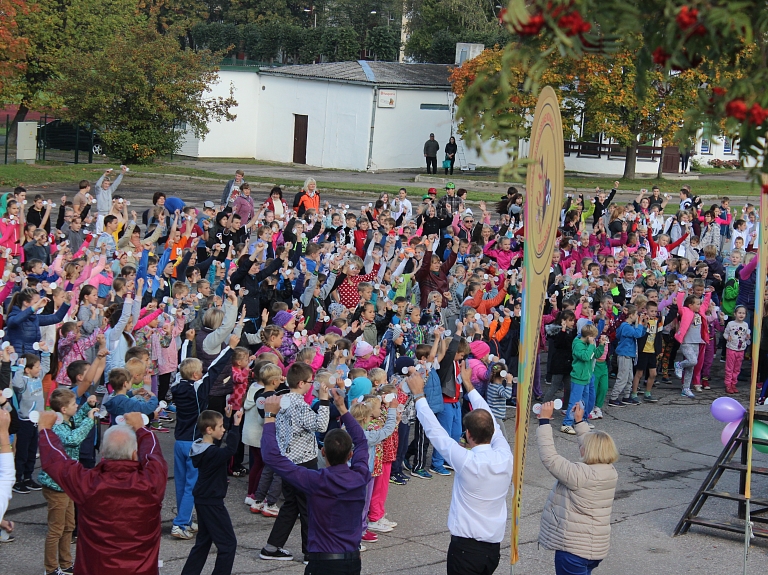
585	352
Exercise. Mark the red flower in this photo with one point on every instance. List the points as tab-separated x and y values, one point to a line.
502	13
687	17
699	30
532	27
660	56
573	24
757	115
764	188
718	91
736	109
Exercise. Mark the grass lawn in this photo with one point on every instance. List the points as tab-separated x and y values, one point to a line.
59	172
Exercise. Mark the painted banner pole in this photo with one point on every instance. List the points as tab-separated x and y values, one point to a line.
543	202
757	329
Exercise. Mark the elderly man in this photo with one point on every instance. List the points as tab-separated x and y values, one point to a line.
119	501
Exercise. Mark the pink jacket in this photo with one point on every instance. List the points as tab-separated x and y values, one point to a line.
373	361
147	319
687	315
169	356
503	258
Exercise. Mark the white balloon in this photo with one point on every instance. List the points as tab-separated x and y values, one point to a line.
503	373
34	416
53	286
8	393
389	397
332	380
537	408
162	405
303	332
347	382
285	402
558	404
36	346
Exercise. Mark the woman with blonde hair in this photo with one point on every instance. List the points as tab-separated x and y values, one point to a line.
309	200
576	521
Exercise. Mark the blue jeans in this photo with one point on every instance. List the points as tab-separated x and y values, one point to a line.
570	564
185	477
450	419
585	393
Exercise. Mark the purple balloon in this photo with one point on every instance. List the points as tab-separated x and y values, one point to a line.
728	432
727	409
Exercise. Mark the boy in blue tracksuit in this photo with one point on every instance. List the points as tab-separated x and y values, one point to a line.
190	395
627	335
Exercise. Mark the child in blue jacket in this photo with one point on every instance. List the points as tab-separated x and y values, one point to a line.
627	335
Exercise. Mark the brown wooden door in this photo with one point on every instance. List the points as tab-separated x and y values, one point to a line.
300	139
671	163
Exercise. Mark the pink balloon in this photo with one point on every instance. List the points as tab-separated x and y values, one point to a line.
727	409
728	432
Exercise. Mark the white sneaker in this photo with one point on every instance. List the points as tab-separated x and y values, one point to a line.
180	533
249	501
568	429
599	412
687	393
385	521
192	527
361	548
678	370
379	527
257	506
591	426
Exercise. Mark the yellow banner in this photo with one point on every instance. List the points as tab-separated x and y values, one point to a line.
757	322
543	202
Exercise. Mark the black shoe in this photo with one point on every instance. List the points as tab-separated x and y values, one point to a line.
279	554
21	487
33	485
68	570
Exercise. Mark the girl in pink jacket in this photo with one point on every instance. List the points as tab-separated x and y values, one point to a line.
692	335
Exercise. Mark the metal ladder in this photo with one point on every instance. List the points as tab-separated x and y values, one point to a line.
724	463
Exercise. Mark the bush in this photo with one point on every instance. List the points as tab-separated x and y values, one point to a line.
695	165
731	164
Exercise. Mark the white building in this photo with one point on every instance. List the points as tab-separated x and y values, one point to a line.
372	116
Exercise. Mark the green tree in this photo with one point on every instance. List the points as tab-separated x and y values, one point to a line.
138	88
217	37
384	43
13	47
459	20
339	44
60	32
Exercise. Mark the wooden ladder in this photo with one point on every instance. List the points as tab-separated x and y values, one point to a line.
758	506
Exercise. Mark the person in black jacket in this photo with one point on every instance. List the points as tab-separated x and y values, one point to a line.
248	276
562	360
450	153
190	394
209	492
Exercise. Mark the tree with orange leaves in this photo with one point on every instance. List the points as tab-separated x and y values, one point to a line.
13	46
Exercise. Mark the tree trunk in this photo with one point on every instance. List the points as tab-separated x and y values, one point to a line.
631	161
13	131
661	162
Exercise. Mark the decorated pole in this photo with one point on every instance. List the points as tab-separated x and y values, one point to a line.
544	200
757	329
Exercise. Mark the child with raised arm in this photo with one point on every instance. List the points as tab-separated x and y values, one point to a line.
190	394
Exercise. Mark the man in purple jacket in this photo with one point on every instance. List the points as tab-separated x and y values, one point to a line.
335	494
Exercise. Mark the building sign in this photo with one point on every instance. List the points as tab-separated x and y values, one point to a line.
387	98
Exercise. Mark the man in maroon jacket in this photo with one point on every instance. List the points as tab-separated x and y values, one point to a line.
119	501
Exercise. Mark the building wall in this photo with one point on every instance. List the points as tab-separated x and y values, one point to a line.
400	132
338	121
236	139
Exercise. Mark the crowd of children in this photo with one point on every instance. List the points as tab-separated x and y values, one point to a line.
197	317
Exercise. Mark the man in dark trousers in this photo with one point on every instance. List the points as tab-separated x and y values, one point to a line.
335	494
431	148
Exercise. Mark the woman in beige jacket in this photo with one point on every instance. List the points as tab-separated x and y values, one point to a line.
576	522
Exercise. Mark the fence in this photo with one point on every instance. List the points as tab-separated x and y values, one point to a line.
60	141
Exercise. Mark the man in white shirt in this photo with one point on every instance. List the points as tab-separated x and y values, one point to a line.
478	514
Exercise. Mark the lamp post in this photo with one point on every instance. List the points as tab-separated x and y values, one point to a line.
312	11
